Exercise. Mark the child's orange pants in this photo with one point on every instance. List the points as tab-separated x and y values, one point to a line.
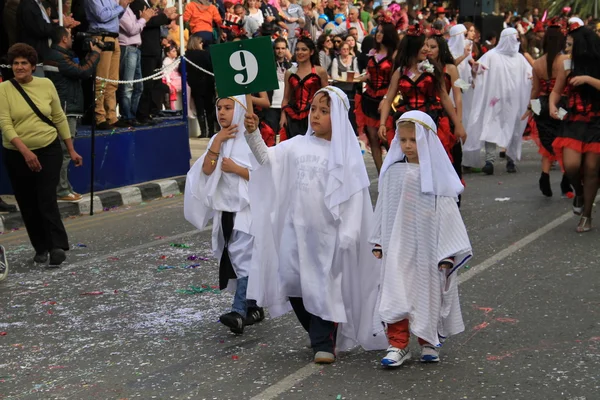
398	334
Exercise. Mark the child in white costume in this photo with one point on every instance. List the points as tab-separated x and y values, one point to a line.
311	224
217	188
422	239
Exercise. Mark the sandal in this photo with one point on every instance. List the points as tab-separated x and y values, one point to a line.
585	225
577	205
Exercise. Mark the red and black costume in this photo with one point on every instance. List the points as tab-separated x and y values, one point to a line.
457	148
302	92
380	70
580	130
546	128
423	95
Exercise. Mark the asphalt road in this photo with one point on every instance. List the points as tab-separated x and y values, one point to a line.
530	301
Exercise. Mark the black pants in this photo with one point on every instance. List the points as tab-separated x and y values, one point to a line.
36	196
321	333
148	100
205	105
272	117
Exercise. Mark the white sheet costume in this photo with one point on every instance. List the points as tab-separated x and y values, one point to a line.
501	97
311	222
417	224
457	44
208	196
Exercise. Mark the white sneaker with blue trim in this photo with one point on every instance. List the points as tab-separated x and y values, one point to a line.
430	354
395	357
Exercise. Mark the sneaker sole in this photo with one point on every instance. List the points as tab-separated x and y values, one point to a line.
233	327
388	363
430	359
69	201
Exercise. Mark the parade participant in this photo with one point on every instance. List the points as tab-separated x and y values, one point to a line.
440	54
545	70
460	48
273	113
311	224
301	84
217	189
501	96
379	72
418	189
419	85
578	143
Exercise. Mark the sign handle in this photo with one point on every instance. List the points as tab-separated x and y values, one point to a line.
249	107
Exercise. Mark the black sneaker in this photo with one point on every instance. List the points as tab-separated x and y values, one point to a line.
5	207
122	124
545	185
146	122
41	258
254	315
234	321
488	169
57	257
510	167
104	126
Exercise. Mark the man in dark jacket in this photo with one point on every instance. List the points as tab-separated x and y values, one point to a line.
63	68
151	53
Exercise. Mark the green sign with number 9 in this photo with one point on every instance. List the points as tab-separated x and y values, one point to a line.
246	66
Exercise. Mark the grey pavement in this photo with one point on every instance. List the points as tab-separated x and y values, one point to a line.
530	302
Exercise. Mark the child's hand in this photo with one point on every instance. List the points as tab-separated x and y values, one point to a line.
228	165
251	122
227	133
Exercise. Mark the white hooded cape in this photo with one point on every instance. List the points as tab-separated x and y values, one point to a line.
502	91
457	44
312	213
417	229
207	196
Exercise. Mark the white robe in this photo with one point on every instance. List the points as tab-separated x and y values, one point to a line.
301	251
500	98
416	231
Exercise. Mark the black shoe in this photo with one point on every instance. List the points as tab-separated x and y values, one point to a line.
57	257
5	207
234	321
545	184
565	185
122	124
40	258
134	123
488	169
104	126
254	315
502	154
578	205
146	122
510	167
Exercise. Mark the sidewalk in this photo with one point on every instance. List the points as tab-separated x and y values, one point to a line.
105	200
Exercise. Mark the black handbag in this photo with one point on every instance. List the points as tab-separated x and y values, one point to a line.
35	109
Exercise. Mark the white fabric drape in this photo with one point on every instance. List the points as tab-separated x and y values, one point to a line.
501	96
439	179
457	44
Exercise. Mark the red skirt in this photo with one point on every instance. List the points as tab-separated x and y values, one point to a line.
363	120
583	137
446	136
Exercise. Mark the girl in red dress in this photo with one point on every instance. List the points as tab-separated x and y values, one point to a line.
545	70
578	143
440	54
301	84
377	78
419	85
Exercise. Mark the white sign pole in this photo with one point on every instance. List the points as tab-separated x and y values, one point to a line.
181	29
60	13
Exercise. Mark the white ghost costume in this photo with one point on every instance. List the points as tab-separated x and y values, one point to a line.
501	97
417	225
312	214
208	196
457	44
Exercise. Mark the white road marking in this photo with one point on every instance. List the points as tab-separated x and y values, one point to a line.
310	369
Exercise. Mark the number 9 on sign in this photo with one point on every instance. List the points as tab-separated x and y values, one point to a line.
246	63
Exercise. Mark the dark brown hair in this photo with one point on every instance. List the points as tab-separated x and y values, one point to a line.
22	50
326	96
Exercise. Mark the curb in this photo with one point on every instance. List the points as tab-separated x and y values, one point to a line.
105	200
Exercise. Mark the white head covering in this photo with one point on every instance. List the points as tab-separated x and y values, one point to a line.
229	192
346	167
509	43
439	179
576	21
457	41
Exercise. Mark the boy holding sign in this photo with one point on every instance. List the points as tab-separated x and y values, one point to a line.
311	213
217	189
